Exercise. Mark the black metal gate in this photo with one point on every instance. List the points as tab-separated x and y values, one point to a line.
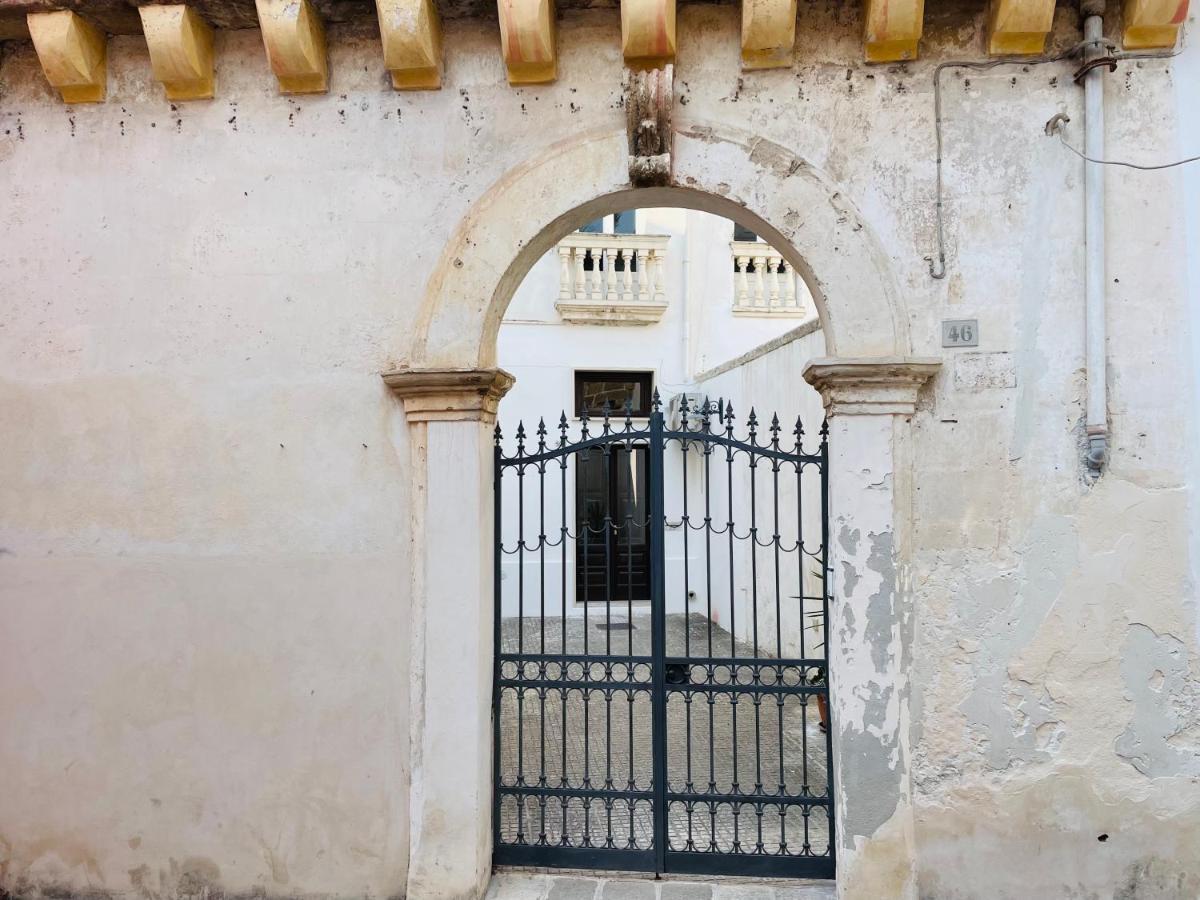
659	693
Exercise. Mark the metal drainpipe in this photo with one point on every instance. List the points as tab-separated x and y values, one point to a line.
1096	336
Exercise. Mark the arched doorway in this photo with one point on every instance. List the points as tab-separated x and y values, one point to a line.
451	389
659	558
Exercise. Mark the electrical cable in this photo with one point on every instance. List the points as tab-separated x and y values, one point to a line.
1128	165
937	264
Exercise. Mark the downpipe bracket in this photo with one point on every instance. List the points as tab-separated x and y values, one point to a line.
1097	453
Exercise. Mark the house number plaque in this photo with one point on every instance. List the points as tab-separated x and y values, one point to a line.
960	333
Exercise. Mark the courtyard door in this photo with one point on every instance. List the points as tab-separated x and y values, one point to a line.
659	689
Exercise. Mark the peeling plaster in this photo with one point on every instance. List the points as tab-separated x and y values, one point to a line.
1003	615
1163	736
881	613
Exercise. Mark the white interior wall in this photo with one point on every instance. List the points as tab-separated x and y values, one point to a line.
543	352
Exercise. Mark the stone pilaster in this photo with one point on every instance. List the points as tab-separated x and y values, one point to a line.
450	414
869	402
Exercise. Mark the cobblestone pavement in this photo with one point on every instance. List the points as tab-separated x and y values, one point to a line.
536	886
713	745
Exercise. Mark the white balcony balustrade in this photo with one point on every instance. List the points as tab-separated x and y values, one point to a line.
612	279
764	283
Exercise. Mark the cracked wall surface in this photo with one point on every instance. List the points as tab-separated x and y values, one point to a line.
204	485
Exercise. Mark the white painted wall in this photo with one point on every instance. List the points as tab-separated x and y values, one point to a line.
769	385
203	594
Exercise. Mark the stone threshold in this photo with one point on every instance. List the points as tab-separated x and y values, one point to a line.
539	884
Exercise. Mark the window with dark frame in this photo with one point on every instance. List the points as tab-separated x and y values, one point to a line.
597	391
742	233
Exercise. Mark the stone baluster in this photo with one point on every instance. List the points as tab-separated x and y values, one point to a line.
757	301
566	290
579	287
789	284
597	291
627	257
772	265
612	293
742	289
656	268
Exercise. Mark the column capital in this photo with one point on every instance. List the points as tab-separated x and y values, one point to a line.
449	395
870	385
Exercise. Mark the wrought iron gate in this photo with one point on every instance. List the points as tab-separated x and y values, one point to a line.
659	690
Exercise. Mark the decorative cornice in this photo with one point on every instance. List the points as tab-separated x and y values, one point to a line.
892	30
411	33
70	43
181	50
527	40
1153	23
768	33
449	395
648	33
871	385
1019	27
73	54
294	35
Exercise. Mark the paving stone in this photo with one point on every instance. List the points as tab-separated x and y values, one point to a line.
744	892
686	891
516	886
825	891
628	890
573	889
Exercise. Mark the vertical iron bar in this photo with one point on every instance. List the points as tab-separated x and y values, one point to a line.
733	697
497	557
689	783
541	470
804	672
658	635
611	482
564	691
825	572
520	779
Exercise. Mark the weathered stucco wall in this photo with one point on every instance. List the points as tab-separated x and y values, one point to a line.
203	489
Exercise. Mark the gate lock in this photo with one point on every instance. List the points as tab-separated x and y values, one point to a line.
678	673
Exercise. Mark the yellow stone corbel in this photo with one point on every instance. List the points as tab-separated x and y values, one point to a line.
181	51
527	40
648	33
1153	23
893	29
768	33
1019	26
295	40
73	54
412	43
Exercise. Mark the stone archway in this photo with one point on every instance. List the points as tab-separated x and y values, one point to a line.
777	194
451	389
